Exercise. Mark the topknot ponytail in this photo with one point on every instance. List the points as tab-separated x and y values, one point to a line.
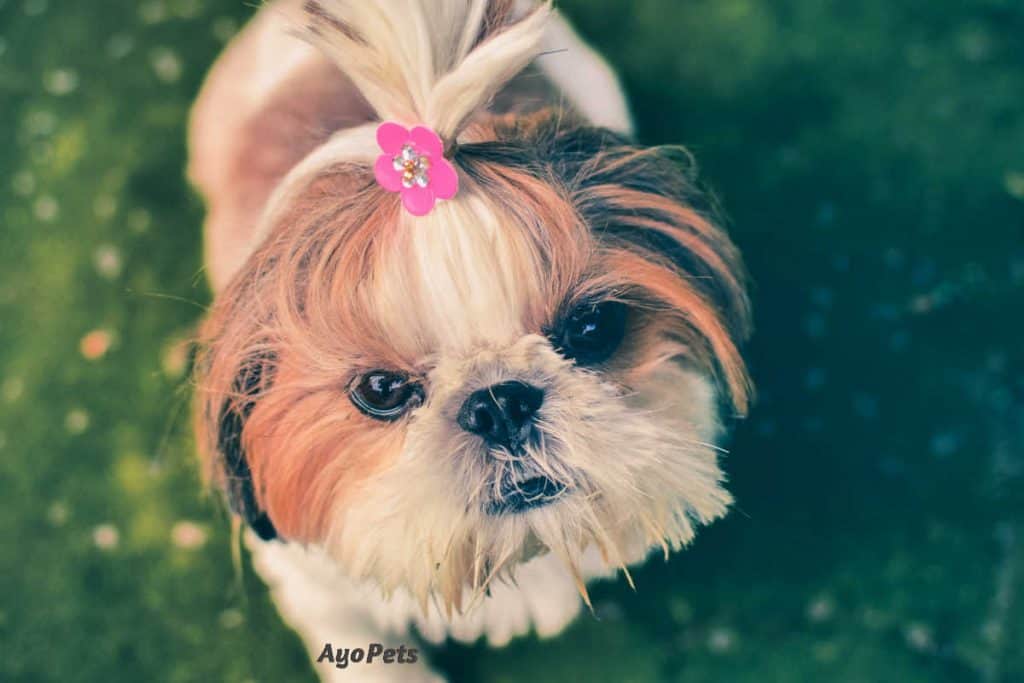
430	62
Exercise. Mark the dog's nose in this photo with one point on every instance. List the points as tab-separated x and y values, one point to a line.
502	414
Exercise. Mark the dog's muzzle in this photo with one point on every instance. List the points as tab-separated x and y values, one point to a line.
502	414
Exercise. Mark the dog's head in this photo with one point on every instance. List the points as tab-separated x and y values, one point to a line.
535	366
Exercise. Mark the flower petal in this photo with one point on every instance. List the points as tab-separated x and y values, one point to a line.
418	200
391	137
387	176
427	141
444	181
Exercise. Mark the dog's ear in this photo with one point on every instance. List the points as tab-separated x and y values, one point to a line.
238	483
646	198
651	199
647	202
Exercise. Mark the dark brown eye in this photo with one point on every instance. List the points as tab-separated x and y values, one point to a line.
591	332
385	395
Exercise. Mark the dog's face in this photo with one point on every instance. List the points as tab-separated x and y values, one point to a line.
536	366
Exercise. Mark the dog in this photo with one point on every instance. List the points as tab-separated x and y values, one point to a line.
471	345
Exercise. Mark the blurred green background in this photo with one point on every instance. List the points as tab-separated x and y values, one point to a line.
871	158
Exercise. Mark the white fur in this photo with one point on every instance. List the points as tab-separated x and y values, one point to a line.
306	581
325	604
641	466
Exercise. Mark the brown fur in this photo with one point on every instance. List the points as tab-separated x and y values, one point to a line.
303	304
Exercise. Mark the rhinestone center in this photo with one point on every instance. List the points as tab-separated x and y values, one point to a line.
413	166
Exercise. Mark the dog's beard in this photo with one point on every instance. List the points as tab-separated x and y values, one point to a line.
624	471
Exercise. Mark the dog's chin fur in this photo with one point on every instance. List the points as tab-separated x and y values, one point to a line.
639	471
551	212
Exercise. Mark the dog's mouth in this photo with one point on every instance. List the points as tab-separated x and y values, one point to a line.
521	496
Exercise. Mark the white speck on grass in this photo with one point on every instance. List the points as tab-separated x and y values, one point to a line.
139	220
23	183
821	609
919	637
153	11
174	359
975	43
721	640
166	63
60	81
12	389
77	421
41	123
992	632
680	610
106	536
188	535
120	46
46	208
231	618
107	260
1013	181
105	206
873	618
826	651
57	514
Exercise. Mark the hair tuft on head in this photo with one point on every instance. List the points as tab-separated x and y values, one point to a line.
431	62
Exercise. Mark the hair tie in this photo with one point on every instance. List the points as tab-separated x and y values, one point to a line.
413	163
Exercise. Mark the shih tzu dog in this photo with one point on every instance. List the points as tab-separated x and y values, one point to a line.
470	342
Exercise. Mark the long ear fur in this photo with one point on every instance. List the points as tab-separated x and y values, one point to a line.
646	203
238	483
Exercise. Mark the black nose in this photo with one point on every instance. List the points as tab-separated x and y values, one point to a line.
502	414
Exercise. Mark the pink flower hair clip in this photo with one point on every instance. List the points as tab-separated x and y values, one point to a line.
413	164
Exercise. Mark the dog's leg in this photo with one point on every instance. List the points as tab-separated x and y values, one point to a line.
328	610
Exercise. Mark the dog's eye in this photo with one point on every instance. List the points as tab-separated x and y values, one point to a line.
591	332
385	395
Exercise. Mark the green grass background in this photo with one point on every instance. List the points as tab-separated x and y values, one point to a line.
871	157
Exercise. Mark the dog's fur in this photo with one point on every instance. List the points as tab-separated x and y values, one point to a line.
320	276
